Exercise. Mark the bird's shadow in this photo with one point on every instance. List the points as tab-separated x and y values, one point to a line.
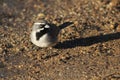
87	41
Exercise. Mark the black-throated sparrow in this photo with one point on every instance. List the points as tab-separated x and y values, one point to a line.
44	34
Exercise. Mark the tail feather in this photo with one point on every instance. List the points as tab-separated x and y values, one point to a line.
64	25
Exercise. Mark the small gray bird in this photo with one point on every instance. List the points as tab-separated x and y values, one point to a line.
44	34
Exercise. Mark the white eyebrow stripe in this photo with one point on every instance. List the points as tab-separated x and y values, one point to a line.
38	23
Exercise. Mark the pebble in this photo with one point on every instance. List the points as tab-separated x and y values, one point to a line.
1	50
118	28
40	16
111	26
9	45
2	65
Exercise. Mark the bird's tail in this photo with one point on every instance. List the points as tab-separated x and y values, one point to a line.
64	25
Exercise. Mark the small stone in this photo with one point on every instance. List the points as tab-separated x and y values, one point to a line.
2	65
76	23
118	28
1	50
9	45
111	26
40	16
112	4
20	66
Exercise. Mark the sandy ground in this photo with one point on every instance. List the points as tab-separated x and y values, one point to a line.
88	49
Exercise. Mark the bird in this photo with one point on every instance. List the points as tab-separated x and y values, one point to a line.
44	34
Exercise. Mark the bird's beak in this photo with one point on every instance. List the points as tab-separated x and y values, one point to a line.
47	26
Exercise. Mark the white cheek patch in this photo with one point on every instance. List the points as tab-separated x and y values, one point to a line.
47	26
38	24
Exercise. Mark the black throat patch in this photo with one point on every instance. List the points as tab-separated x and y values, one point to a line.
41	33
